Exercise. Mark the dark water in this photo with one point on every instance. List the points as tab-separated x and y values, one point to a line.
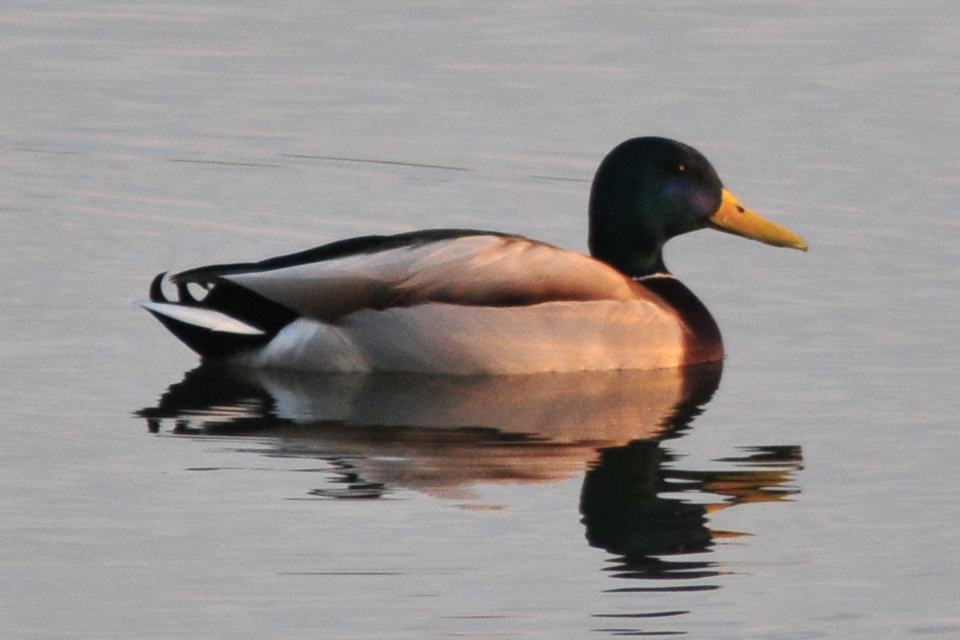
808	490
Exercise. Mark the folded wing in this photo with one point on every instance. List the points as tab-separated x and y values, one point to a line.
471	270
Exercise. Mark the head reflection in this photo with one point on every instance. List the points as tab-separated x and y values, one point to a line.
636	505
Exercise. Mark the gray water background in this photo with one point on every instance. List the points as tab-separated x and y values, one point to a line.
141	137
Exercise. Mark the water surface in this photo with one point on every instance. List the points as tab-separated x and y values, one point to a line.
809	490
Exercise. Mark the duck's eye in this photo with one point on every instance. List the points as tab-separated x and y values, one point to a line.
677	169
681	168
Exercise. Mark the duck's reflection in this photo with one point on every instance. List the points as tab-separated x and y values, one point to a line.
441	435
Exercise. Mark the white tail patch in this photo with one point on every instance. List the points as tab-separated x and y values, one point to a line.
203	318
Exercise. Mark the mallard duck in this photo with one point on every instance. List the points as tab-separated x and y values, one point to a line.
459	301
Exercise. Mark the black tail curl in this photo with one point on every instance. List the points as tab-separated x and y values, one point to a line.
156	288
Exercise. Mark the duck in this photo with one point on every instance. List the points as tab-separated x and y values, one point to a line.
472	302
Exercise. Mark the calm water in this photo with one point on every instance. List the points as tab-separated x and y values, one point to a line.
809	490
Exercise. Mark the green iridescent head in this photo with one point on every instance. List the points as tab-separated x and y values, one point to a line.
648	190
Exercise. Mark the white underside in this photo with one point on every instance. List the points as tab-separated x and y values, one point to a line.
457	339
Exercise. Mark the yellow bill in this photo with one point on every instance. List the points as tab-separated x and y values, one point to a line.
733	218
